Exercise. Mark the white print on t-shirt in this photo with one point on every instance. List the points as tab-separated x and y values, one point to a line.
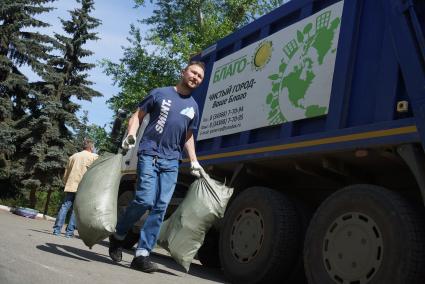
165	108
189	112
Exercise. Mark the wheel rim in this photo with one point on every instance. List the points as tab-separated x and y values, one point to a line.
353	249
247	235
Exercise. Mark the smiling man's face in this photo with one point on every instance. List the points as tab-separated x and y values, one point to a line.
192	76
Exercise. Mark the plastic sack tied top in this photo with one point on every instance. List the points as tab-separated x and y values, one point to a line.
183	233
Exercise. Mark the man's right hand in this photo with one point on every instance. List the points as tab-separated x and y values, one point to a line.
196	169
129	142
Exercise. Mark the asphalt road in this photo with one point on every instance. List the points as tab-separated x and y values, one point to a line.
29	253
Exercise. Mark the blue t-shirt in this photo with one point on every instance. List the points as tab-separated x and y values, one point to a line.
171	115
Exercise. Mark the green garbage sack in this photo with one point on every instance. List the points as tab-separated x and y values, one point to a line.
183	233
95	203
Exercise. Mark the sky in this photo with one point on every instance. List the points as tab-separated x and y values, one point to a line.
116	17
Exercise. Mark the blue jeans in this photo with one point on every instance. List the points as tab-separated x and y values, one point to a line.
60	219
156	180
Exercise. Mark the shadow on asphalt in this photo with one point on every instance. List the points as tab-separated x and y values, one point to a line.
84	255
194	270
165	260
51	233
75	253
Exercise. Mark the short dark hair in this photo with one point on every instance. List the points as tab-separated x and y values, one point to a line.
198	63
88	143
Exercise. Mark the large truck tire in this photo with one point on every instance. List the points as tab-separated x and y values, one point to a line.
365	234
261	238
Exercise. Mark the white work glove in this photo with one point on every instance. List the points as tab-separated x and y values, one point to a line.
129	142
196	169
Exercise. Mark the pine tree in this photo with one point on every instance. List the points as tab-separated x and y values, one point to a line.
54	121
18	46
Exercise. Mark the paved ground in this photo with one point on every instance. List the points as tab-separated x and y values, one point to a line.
29	253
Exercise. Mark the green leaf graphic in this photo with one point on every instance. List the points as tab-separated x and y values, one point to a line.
274	77
300	37
315	110
282	67
273	113
308	28
269	98
335	23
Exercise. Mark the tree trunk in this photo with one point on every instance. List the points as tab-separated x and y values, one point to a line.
46	206
33	198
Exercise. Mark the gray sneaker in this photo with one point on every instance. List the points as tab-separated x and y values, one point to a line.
143	263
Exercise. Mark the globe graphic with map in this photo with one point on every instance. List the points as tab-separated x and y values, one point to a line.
305	60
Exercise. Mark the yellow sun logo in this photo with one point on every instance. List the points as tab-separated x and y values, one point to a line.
262	55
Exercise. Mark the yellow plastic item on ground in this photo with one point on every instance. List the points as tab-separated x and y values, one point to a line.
183	233
95	204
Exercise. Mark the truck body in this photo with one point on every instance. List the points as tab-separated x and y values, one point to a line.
315	114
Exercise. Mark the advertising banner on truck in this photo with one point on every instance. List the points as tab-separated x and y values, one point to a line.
286	76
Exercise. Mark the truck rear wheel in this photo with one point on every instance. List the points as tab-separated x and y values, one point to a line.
261	238
365	234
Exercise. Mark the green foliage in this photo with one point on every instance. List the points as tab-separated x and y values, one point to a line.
100	137
17	201
7	147
178	30
22	200
55	202
18	46
139	72
184	27
82	130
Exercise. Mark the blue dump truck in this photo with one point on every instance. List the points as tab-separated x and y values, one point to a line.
315	114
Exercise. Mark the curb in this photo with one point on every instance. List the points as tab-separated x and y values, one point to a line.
4	208
39	215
